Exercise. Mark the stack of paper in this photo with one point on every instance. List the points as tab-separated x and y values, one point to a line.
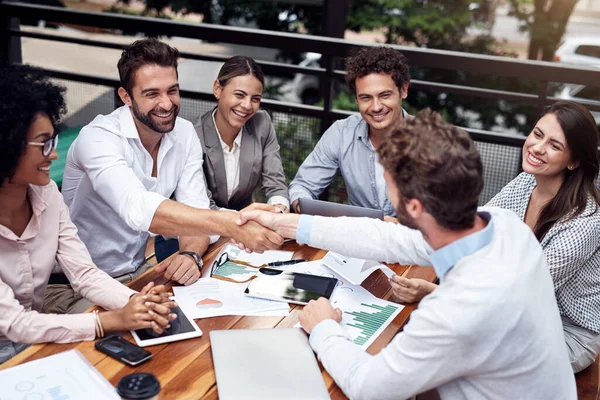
209	297
354	270
364	316
66	375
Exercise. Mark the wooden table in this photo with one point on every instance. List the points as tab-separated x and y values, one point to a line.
185	368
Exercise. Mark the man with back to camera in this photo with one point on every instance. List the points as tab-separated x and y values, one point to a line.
490	330
123	168
379	77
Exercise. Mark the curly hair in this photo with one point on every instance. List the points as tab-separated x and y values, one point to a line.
438	164
25	92
377	60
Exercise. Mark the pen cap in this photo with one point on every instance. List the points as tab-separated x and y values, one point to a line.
138	386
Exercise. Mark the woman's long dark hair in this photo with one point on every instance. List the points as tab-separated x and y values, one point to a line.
581	133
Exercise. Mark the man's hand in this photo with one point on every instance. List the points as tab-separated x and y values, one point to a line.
284	224
181	268
393	220
410	290
317	311
254	237
260	206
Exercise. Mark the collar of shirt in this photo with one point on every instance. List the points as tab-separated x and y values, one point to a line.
38	206
237	143
445	258
363	132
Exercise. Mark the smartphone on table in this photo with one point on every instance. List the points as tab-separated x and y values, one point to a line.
117	347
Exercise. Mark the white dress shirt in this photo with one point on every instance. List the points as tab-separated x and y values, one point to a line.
491	330
231	159
111	193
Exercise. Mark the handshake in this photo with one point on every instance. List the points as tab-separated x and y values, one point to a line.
261	227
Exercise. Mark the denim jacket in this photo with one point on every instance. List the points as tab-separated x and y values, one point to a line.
344	146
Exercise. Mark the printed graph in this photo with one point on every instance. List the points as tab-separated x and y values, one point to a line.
55	393
369	320
234	271
364	317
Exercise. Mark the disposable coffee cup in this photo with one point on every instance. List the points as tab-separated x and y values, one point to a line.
139	386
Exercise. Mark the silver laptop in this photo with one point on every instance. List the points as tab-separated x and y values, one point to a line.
266	364
327	209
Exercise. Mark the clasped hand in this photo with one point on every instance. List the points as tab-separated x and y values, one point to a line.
150	308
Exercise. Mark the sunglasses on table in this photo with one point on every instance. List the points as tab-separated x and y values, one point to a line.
47	145
228	269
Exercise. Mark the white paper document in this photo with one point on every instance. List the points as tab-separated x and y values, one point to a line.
354	270
209	297
63	376
257	258
364	316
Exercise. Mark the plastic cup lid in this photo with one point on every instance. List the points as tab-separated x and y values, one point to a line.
138	386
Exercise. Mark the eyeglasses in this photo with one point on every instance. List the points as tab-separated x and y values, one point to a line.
47	145
237	271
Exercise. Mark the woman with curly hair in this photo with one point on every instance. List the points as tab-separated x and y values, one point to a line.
35	230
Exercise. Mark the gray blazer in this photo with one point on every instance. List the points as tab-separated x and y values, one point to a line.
259	160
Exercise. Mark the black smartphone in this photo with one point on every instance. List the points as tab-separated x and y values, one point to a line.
123	350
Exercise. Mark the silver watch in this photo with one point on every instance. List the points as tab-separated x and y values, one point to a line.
195	256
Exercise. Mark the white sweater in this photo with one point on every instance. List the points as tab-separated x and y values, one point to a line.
491	330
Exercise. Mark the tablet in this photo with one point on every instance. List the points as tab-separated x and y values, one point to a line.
181	328
291	287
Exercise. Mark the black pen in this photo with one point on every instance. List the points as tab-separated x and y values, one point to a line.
282	263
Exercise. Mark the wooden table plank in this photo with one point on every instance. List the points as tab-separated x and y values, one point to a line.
185	368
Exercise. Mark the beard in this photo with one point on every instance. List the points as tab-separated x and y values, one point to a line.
402	215
147	119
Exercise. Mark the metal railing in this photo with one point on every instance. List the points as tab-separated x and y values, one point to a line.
542	73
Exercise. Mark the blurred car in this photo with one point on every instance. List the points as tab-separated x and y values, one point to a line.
304	88
580	51
581	92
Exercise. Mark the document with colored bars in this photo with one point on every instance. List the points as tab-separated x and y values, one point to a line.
364	316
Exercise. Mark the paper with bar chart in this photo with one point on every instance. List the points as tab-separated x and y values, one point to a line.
364	317
63	376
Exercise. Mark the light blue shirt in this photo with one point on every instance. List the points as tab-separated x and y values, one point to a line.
444	259
345	146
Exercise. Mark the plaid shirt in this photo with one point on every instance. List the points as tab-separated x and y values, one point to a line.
572	251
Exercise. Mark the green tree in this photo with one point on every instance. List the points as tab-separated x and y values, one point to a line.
546	21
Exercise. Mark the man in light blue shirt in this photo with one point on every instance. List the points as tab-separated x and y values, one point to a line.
379	78
491	330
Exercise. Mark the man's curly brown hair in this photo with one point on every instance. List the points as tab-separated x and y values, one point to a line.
438	164
377	60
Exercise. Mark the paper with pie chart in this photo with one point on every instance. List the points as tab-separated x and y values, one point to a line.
209	297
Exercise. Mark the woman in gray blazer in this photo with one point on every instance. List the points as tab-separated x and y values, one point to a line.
239	142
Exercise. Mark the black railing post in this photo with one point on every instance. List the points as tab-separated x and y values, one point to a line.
326	83
10	46
542	94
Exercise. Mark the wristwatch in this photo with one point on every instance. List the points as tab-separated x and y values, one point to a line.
195	256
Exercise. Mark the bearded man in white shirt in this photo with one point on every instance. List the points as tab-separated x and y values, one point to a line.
124	167
494	332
